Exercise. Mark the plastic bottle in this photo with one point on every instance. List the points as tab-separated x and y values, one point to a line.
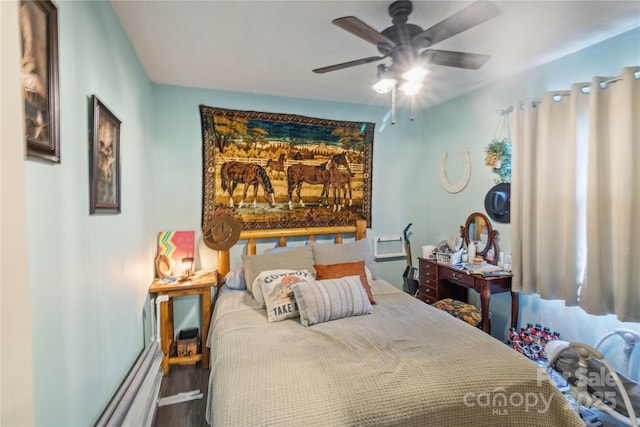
507	263
471	251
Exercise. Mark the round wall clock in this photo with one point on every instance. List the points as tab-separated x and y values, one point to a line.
466	172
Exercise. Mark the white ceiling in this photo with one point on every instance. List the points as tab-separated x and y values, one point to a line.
270	47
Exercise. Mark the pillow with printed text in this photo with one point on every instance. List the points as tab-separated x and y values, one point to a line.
277	292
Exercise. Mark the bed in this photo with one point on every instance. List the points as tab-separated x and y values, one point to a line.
395	362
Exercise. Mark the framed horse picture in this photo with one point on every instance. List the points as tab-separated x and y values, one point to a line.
104	151
273	170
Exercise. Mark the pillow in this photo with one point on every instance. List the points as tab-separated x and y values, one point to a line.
279	249
331	299
335	271
276	288
234	279
345	252
295	259
258	283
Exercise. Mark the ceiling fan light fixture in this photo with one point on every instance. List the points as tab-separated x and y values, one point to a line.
410	88
415	74
384	85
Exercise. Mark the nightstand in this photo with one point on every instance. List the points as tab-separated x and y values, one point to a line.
199	284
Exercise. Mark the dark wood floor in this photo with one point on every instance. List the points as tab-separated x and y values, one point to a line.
182	379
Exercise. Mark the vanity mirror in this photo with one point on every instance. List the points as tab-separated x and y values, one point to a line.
478	229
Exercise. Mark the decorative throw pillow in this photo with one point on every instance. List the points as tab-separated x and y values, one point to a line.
335	271
278	249
300	258
331	299
234	279
324	253
276	288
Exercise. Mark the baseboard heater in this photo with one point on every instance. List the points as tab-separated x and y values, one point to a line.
135	403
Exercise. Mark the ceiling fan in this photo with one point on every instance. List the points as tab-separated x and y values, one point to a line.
408	45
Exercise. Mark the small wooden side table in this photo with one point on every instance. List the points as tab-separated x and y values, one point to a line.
199	284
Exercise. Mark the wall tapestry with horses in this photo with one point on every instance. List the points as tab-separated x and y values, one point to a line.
281	170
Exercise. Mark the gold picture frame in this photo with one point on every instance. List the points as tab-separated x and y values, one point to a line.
39	30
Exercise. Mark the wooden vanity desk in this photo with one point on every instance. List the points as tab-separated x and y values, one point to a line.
439	281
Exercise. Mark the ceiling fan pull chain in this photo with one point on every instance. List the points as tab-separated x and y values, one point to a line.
411	108
393	106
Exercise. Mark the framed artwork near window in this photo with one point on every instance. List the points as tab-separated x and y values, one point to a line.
39	31
104	159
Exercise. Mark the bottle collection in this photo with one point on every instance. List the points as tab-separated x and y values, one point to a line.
531	340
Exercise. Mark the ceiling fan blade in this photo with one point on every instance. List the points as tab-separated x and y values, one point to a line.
469	17
362	30
471	61
348	64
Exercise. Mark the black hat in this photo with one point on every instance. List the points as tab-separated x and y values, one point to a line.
497	203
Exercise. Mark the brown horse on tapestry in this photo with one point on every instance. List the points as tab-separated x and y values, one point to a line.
340	181
300	173
233	173
276	166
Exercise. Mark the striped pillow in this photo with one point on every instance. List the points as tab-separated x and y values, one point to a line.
324	300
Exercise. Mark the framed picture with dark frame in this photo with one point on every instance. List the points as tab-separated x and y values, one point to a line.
104	159
39	30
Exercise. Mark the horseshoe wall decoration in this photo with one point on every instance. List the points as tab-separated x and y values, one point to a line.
466	172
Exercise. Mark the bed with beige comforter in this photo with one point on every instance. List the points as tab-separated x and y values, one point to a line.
405	364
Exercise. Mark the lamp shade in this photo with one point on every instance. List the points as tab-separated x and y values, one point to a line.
415	74
410	88
384	85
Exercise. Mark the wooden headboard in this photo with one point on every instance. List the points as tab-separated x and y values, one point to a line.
359	229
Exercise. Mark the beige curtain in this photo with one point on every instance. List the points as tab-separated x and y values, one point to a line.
576	196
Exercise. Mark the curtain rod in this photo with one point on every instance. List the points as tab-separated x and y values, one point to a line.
603	84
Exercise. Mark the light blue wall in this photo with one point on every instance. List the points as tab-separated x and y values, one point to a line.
471	121
89	275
